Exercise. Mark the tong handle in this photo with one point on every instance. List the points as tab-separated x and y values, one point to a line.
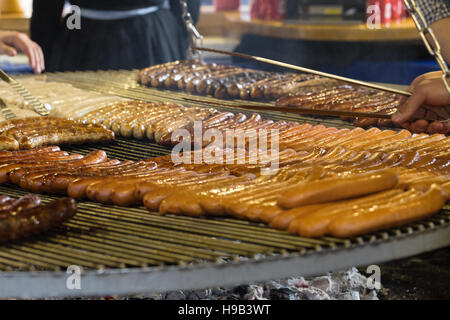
38	106
6	112
4	76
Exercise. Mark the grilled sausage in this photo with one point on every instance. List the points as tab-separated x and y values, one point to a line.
34	220
7	143
18	153
446	190
316	223
392	215
95	158
14	205
292	217
338	188
5	169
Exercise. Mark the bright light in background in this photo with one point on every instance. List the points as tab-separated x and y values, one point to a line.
16	7
27	6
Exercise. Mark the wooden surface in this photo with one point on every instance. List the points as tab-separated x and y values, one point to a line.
241	23
15	22
220	24
211	23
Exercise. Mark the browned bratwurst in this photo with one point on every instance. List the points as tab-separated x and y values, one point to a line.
26	221
34	132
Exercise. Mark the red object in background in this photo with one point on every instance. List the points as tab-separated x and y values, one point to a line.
386	11
397	10
223	5
254	10
280	9
268	9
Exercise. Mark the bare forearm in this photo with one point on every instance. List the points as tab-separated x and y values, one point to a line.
441	29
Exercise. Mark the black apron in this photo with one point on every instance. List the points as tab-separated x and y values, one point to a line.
130	43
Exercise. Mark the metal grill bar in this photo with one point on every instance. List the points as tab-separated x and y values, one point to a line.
166	248
164	232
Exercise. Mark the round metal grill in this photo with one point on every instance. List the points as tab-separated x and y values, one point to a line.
130	250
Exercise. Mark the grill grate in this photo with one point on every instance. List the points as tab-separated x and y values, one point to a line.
102	237
107	236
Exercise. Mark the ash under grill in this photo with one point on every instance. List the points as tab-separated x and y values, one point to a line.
150	252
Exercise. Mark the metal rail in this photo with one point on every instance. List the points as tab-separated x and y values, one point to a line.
148	280
307	70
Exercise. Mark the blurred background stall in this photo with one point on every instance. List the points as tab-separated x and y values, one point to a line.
365	39
371	40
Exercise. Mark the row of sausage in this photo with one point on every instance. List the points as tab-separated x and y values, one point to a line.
409	176
224	82
158	121
32	132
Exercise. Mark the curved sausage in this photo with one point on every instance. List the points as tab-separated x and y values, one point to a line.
152	200
446	190
328	190
18	153
37	219
316	223
391	215
121	190
60	170
292	219
25	202
93	157
188	205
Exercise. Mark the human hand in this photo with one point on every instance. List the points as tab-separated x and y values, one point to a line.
429	103
12	42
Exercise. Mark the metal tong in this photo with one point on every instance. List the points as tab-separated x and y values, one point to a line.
307	70
6	112
319	73
335	113
39	107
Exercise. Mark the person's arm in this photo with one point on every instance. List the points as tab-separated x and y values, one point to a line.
430	100
45	23
12	42
441	29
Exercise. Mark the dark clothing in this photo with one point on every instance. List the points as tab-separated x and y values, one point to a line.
136	42
434	10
